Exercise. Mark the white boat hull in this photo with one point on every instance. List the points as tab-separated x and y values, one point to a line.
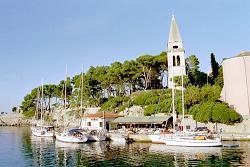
42	133
156	138
193	142
117	137
71	139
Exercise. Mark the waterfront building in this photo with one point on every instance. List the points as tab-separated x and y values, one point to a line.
176	53
162	121
99	120
236	89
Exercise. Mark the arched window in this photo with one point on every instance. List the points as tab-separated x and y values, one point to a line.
174	61
178	61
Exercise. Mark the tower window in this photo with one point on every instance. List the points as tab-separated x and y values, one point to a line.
173	60
178	60
175	47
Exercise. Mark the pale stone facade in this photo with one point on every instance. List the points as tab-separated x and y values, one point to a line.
236	90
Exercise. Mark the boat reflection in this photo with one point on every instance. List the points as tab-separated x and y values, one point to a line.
190	153
67	146
42	150
41	140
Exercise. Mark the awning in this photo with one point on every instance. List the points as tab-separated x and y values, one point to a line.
142	119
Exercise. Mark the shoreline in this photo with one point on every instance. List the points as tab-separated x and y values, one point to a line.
18	120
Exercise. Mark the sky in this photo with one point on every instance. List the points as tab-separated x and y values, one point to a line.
39	37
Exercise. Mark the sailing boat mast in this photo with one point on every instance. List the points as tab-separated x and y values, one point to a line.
42	106
37	104
65	88
81	95
173	93
182	99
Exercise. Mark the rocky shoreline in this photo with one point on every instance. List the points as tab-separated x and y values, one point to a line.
13	119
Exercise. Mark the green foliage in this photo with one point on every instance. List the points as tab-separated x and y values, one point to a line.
14	109
214	66
150	109
195	76
178	81
195	95
192	62
148	97
119	86
29	114
215	112
121	107
219	79
114	102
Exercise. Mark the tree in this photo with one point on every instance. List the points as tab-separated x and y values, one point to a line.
192	62
146	69
14	109
214	112
116	77
219	79
196	77
214	66
49	92
130	70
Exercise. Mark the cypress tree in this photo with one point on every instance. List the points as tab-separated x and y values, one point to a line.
215	66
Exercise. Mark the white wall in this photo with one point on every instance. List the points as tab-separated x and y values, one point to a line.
236	90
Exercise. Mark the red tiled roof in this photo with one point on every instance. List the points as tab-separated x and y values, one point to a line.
105	114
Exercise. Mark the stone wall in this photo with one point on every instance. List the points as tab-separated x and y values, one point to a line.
240	128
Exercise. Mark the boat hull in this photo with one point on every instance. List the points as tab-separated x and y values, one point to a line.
155	138
71	139
42	133
117	137
193	143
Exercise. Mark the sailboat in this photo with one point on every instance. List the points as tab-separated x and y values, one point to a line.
94	134
75	135
184	138
176	64
42	130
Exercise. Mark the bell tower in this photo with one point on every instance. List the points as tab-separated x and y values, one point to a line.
176	53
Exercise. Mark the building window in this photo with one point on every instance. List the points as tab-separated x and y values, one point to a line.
187	127
173	60
175	47
178	60
89	123
100	124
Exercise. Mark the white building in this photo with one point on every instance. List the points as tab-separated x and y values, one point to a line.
176	53
236	89
99	120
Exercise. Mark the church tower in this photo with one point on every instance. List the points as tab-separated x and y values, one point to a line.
176	57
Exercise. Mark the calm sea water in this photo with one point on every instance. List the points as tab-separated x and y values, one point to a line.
19	148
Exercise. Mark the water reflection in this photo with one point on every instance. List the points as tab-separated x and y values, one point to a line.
48	152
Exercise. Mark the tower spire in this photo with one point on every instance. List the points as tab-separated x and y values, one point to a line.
174	35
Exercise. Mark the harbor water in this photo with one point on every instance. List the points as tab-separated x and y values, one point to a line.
19	148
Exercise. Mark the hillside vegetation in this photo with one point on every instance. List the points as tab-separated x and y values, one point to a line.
138	82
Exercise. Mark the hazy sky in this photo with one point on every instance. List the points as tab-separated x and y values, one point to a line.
38	37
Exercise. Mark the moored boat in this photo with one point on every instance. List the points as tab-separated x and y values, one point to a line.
96	135
72	136
43	131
